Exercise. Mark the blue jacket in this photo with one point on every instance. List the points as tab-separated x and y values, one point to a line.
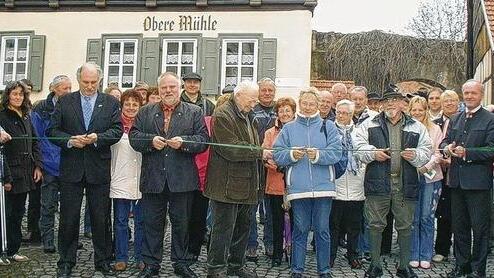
305	178
40	118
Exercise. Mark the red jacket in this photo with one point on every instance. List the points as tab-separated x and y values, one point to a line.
202	159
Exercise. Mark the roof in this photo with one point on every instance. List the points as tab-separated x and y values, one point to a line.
325	85
149	4
489	8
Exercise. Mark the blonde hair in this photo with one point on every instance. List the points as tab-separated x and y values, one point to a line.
311	90
450	94
422	101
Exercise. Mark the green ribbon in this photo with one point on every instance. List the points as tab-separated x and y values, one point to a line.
239	146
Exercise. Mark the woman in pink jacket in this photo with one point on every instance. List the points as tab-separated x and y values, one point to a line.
275	185
430	190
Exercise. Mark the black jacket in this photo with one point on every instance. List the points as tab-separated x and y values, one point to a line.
475	171
93	161
206	105
373	134
175	168
21	155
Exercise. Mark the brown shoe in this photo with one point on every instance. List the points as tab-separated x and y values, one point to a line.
120	266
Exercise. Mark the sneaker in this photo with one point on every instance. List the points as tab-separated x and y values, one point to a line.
438	258
414	264
19	258
4	261
425	264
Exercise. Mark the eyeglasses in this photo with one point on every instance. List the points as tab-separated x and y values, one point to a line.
343	113
392	100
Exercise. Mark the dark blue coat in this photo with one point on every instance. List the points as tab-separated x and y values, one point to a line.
175	168
475	171
50	153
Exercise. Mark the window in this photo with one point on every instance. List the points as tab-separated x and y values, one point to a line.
239	61
13	58
120	63
179	56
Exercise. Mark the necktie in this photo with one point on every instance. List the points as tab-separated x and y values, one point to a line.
87	111
469	115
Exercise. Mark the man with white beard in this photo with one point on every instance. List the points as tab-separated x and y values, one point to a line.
393	145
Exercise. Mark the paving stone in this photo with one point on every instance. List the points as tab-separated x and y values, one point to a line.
44	265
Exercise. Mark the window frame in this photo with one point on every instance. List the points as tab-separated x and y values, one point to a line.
195	53
2	55
106	57
249	39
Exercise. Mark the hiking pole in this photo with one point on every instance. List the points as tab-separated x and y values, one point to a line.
3	226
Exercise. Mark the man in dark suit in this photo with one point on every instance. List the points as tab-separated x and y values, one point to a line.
469	142
85	124
163	133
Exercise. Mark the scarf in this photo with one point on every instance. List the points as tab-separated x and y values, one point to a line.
346	138
127	123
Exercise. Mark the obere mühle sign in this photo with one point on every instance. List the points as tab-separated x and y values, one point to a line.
182	23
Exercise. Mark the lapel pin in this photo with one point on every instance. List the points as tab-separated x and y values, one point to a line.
100	105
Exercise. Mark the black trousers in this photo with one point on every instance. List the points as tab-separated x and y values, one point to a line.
70	211
34	211
155	206
387	240
197	225
471	211
346	218
444	232
443	236
14	211
278	217
229	236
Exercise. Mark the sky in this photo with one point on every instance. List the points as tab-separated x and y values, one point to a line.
353	16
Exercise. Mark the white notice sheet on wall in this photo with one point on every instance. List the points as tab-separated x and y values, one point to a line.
289	82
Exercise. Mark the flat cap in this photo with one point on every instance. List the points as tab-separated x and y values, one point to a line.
227	89
192	75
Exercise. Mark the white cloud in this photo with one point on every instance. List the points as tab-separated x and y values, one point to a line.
352	16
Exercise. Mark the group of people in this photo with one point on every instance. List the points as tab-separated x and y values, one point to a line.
335	163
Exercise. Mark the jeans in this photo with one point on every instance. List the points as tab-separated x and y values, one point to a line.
268	225
121	209
423	221
49	203
363	239
311	213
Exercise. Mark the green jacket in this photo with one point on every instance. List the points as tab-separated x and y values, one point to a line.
232	172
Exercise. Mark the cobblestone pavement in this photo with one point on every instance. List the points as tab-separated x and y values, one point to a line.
44	265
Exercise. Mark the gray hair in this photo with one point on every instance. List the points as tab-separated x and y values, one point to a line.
246	85
59	79
339	84
89	65
475	82
169	73
350	104
266	81
359	89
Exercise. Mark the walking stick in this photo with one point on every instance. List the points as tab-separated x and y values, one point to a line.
3	226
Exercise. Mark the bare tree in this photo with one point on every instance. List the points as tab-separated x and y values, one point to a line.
440	19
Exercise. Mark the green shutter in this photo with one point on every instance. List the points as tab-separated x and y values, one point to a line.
150	56
210	69
267	61
94	51
36	60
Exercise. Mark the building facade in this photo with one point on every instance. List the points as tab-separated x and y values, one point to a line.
224	41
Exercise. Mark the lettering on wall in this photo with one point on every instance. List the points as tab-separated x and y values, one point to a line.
182	23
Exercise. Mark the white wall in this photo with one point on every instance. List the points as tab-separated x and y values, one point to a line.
67	33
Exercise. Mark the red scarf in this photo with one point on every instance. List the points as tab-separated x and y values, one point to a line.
127	123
